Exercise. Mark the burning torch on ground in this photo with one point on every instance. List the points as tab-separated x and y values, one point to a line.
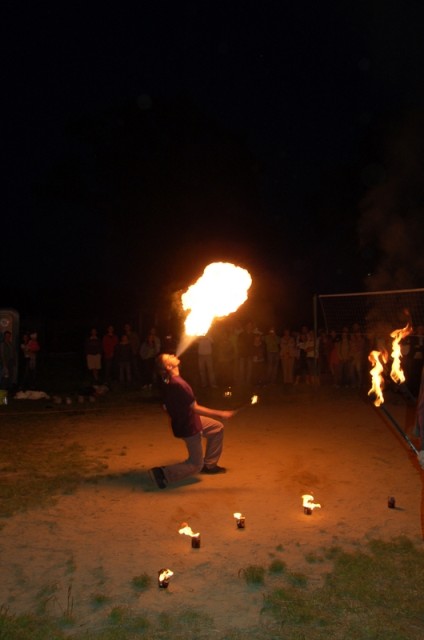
164	576
308	504
195	537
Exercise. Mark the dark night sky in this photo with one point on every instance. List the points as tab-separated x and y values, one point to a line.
141	144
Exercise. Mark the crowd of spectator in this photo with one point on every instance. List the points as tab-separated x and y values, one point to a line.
251	356
125	359
230	355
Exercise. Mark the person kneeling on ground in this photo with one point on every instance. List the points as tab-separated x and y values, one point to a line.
190	422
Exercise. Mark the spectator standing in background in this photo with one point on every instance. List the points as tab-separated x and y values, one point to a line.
33	349
357	348
287	356
8	361
150	348
345	359
134	342
93	354
272	347
323	354
109	342
205	361
245	355
312	349
225	359
123	354
24	366
333	356
258	359
301	365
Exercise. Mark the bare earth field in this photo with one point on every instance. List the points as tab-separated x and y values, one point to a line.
89	545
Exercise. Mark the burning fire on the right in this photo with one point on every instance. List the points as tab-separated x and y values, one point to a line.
379	358
396	373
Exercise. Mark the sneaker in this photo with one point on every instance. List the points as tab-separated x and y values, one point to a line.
213	470
158	477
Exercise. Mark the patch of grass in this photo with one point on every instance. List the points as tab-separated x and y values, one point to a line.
119	614
332	552
39	463
277	566
99	599
48	602
313	558
70	565
374	593
99	575
66	620
288	606
376	576
253	574
27	627
187	624
297	579
128	622
141	582
44	596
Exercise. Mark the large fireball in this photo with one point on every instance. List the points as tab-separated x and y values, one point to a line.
218	292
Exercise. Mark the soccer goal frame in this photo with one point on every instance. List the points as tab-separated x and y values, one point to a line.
373	311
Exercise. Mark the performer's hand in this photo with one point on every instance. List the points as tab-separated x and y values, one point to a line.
226	415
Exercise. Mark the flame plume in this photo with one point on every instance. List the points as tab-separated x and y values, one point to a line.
378	359
218	292
308	502
397	374
165	574
186	530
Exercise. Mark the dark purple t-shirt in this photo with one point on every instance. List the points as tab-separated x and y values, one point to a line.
178	398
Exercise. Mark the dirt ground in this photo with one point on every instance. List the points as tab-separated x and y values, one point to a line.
333	444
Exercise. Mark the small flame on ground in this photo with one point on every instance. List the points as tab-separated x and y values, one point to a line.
378	359
308	502
187	531
254	399
218	292
165	574
397	374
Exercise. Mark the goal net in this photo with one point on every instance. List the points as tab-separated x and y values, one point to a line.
377	315
377	312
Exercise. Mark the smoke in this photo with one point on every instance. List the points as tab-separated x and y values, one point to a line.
391	222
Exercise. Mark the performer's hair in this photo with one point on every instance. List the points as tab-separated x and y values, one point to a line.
161	367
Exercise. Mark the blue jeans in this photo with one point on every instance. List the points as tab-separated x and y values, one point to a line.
213	432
